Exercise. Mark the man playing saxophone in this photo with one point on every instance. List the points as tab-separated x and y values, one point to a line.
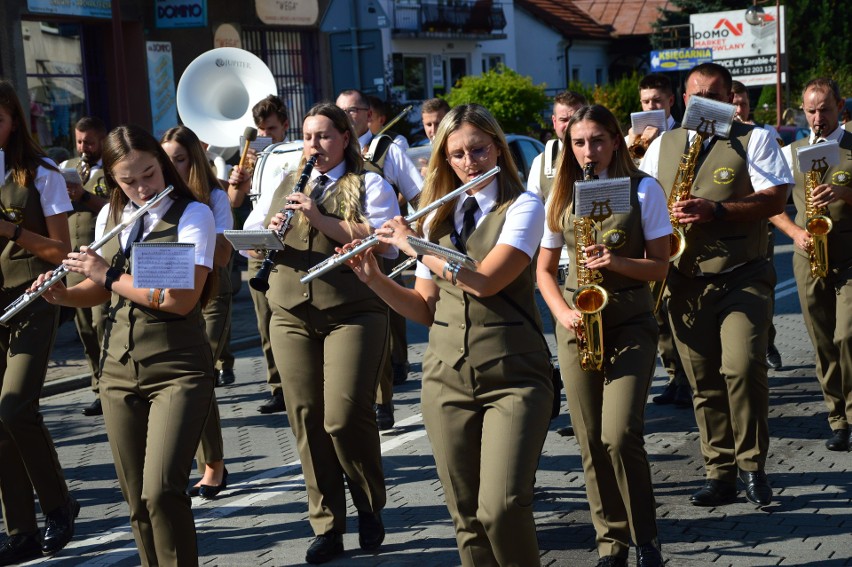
825	300
719	307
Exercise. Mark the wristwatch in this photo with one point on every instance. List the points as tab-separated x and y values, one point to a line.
719	211
112	275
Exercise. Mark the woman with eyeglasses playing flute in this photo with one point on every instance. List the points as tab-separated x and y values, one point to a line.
487	392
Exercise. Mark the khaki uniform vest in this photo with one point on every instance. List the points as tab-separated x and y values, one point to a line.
18	266
623	235
483	329
137	331
839	249
720	174
545	181
377	163
304	249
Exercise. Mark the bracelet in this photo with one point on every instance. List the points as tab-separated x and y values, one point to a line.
444	271
112	276
17	234
156	297
454	270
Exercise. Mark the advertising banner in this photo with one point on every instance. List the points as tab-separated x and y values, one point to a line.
161	86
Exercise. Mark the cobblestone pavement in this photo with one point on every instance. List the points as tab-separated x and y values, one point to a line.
261	518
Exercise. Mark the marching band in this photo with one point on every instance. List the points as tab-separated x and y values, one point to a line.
326	307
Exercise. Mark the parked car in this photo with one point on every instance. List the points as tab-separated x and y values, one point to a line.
524	150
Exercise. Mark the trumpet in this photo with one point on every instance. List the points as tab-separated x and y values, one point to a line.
60	272
333	261
260	281
590	297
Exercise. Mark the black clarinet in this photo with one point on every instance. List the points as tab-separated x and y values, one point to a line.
260	281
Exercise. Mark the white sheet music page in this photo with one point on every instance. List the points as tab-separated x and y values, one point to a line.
602	197
819	156
709	116
163	265
641	120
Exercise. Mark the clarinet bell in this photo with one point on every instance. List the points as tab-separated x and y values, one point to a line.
260	281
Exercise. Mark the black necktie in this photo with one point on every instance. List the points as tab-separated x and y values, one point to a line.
319	187
84	169
469	207
135	234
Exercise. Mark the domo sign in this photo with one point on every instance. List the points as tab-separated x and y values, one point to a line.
180	13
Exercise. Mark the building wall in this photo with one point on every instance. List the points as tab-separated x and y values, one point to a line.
541	51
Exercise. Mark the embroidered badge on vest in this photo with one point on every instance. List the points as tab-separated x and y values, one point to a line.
101	190
841	178
723	176
14	214
615	238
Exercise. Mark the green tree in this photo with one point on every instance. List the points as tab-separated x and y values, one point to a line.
513	99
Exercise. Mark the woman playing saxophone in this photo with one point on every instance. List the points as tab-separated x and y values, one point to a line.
607	405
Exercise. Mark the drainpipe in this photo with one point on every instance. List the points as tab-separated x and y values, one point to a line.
568	45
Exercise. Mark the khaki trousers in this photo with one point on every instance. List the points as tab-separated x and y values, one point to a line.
666	346
154	413
487	428
264	314
217	319
608	413
398	342
28	459
89	323
721	326
330	362
827	310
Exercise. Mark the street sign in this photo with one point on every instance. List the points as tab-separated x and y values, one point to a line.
679	59
749	52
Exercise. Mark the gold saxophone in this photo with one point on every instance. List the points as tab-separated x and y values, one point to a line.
590	297
817	222
681	191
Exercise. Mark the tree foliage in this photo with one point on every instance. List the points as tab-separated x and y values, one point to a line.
513	99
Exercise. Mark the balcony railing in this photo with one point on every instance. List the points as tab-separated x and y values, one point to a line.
441	19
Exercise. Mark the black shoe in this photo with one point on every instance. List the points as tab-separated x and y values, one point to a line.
19	548
210	492
59	526
193	491
273	405
668	396
93	409
683	395
773	358
567	431
648	555
324	548
839	440
225	377
371	530
400	373
758	491
715	493
384	416
611	561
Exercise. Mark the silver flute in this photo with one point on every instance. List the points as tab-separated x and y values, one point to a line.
60	272
333	261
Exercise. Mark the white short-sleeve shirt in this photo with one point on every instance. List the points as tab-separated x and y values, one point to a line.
196	226
654	213
53	193
398	169
522	229
221	206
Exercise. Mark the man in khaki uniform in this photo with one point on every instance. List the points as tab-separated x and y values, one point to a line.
826	300
88	199
719	306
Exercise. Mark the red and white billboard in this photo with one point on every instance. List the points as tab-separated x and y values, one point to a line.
748	51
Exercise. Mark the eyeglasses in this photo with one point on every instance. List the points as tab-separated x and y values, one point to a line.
476	154
355	109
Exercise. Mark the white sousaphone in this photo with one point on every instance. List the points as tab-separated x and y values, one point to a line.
217	91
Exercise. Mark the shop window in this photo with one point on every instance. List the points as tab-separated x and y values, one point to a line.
409	72
57	95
